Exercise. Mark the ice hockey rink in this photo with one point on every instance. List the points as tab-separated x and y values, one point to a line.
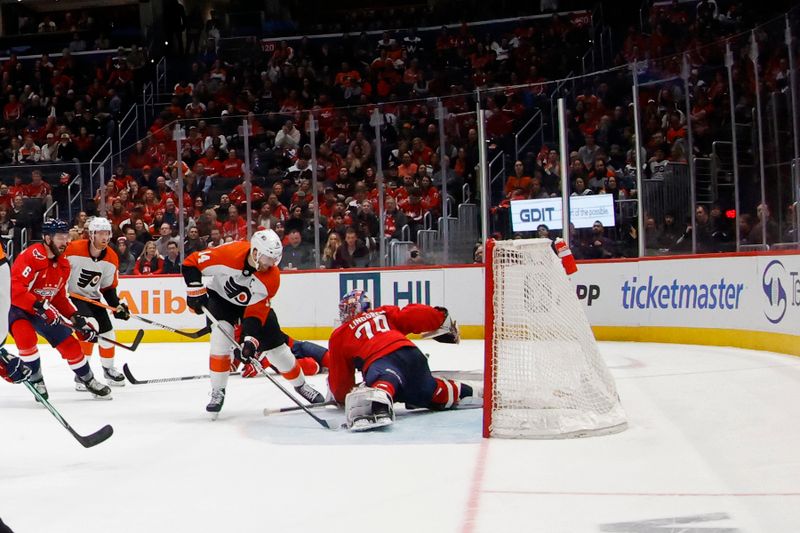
711	447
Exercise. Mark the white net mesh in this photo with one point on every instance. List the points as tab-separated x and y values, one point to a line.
548	379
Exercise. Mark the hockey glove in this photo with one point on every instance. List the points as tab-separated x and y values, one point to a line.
196	297
83	329
12	369
122	312
447	332
249	348
250	371
47	313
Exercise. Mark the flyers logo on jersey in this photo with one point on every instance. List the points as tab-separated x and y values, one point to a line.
239	293
88	277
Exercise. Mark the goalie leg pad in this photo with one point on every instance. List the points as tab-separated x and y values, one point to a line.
368	408
446	395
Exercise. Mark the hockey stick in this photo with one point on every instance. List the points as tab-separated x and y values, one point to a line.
87	441
268	411
132	347
190	334
127	371
257	365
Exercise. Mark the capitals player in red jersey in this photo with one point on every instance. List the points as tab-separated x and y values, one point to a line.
394	369
38	303
94	273
245	277
11	368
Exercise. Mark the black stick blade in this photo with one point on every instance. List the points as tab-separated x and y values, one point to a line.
101	435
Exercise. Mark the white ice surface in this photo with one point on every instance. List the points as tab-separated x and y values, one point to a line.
712	447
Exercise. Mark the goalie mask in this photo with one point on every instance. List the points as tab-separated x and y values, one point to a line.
353	304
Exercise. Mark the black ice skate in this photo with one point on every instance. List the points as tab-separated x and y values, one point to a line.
215	405
307	391
114	377
97	389
40	388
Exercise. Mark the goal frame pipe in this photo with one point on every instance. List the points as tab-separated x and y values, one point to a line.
488	337
564	157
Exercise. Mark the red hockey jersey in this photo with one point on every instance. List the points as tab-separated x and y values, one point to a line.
34	278
372	335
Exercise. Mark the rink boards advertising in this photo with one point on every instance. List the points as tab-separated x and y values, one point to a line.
746	300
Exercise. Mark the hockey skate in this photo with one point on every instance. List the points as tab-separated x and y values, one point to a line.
309	393
114	377
80	386
215	405
97	389
40	388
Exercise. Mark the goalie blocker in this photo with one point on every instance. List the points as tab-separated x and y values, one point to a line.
394	369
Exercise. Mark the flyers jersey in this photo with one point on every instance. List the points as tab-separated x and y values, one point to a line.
89	276
232	279
34	278
358	343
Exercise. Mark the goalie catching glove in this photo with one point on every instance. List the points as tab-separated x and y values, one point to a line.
368	408
447	332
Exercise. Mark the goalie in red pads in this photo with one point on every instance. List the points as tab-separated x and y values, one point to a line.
394	369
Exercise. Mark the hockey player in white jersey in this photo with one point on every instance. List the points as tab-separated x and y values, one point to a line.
94	272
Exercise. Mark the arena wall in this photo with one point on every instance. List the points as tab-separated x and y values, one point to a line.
742	300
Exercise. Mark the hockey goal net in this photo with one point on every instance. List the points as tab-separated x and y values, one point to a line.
544	377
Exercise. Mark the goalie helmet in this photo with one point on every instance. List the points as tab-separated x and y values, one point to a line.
99	224
266	244
353	304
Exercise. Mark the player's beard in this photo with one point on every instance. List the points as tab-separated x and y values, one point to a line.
55	249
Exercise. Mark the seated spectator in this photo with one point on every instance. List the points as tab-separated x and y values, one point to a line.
288	138
598	246
519	180
193	242
579	188
235	228
329	252
135	246
352	253
149	262
297	255
215	238
29	153
165	237
172	261
126	259
588	152
233	167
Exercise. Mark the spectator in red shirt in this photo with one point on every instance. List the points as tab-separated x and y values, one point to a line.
39	188
149	262
233	167
279	211
235	229
239	197
12	111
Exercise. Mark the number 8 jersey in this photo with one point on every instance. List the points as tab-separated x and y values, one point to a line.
356	344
